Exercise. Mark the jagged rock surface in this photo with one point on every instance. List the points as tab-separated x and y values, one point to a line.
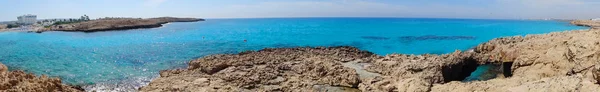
409	73
559	61
19	81
286	69
587	23
554	62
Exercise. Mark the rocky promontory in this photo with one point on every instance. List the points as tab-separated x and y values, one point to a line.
109	24
19	81
559	61
587	23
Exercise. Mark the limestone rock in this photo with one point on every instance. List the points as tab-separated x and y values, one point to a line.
19	81
286	69
554	62
587	23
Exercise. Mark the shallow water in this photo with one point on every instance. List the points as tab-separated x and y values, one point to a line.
110	57
484	72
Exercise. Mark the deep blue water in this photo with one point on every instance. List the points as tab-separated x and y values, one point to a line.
87	58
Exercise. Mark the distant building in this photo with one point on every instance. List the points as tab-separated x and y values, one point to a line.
596	19
27	19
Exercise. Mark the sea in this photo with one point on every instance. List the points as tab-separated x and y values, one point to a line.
132	58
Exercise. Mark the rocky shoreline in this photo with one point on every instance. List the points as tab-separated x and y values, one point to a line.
587	23
19	81
111	24
559	61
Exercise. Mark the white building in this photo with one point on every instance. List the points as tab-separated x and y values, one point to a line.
27	19
596	19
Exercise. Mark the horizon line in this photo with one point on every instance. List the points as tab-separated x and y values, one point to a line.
336	17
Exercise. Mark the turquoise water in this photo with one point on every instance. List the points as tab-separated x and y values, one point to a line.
103	57
484	72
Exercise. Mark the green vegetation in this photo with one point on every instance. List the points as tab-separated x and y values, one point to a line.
12	26
69	21
65	22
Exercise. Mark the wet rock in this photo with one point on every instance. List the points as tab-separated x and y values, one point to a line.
19	81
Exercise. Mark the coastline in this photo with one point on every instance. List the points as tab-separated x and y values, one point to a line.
112	24
520	59
326	68
587	23
352	69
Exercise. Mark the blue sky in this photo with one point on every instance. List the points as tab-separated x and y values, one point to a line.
486	9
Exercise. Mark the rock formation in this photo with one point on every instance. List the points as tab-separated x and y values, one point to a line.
555	62
119	24
286	69
587	23
19	81
559	61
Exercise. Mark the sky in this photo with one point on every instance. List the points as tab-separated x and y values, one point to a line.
473	9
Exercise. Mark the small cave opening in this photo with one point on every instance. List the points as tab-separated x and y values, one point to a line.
485	72
459	71
507	69
471	70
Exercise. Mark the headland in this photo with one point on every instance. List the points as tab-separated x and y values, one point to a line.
111	24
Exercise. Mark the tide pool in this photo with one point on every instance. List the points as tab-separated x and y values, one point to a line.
113	56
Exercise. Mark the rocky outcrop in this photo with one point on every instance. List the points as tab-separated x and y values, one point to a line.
556	62
587	23
410	73
286	69
119	24
560	61
19	81
2	26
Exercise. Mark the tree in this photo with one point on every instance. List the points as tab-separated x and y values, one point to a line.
12	26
